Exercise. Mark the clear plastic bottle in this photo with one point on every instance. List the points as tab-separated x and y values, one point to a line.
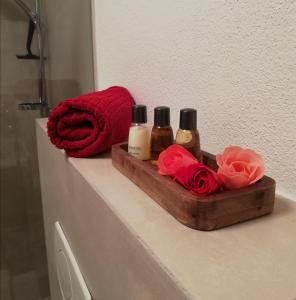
139	134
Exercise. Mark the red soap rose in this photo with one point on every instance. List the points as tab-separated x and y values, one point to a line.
198	178
174	158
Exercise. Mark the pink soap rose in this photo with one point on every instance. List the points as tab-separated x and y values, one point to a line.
173	158
199	179
239	167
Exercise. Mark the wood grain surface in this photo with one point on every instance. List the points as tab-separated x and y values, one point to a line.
202	213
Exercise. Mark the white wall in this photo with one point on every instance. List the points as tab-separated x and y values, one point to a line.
234	61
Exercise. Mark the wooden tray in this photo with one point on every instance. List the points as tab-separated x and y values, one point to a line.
202	213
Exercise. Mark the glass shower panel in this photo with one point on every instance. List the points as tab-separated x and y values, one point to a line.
69	72
69	67
23	259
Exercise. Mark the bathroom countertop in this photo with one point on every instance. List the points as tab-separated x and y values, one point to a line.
251	260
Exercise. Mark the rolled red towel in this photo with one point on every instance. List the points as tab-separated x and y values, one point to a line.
91	123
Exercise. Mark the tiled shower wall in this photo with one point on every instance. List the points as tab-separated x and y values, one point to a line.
69	72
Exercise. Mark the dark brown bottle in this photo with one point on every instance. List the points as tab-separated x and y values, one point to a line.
187	135
162	133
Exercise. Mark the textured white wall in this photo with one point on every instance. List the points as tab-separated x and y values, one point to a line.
234	61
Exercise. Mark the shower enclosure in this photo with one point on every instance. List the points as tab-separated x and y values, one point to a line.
46	56
35	22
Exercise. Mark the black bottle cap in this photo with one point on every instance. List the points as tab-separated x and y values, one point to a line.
161	116
188	118
139	114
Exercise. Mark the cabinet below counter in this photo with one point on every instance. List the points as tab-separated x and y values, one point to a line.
128	247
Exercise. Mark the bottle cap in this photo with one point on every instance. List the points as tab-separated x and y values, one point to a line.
139	114
161	116
188	118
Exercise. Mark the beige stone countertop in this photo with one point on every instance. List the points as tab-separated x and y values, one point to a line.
251	260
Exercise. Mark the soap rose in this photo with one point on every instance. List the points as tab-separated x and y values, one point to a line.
199	179
173	158
239	167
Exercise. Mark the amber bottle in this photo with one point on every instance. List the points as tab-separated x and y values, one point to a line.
187	135
162	133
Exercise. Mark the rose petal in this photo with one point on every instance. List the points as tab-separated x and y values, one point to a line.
173	158
199	179
182	176
256	174
231	153
235	181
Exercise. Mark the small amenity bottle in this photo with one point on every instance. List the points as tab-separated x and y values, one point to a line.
187	135
162	133
139	134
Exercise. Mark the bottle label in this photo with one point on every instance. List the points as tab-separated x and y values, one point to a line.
134	150
138	152
139	142
184	137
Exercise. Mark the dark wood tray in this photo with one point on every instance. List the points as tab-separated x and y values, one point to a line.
202	213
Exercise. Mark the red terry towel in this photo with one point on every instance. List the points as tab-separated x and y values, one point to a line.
91	123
